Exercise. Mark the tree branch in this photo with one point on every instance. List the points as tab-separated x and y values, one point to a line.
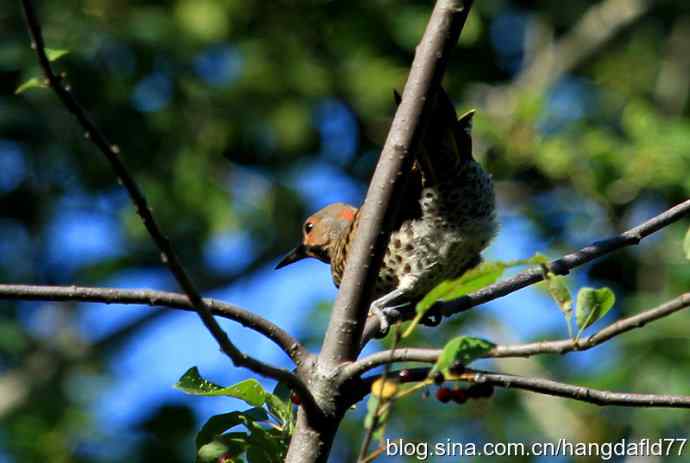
614	329
168	255
560	266
579	393
563	346
287	343
378	212
311	441
542	386
580	42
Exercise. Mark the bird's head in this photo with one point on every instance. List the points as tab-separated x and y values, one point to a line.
321	231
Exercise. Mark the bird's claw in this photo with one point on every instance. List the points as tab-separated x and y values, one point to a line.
379	312
386	315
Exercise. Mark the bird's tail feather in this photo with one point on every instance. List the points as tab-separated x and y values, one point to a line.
447	140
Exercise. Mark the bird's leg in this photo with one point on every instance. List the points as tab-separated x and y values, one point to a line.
384	312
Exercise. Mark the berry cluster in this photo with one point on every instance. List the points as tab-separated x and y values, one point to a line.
460	396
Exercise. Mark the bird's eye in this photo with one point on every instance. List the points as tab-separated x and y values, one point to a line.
307	227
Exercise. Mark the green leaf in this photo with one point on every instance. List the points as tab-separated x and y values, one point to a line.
232	444
592	304
281	410
463	350
265	446
472	280
34	82
248	390
55	54
372	404
383	412
217	425
537	259
280	406
686	244
558	289
282	391
211	442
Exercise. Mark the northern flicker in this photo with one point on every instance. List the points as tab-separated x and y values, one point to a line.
446	219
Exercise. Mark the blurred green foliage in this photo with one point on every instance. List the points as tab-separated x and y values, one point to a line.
214	104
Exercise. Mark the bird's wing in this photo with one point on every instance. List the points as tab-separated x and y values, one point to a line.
410	209
447	141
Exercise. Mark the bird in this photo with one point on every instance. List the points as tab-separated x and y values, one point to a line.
446	219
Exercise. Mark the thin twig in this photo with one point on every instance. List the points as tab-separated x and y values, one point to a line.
366	442
580	393
287	343
560	266
168	255
614	329
546	387
563	346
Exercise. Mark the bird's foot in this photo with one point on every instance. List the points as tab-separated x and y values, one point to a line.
385	313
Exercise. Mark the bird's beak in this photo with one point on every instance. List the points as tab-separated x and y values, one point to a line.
299	253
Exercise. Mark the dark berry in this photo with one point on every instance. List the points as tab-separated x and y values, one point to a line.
295	398
459	396
405	375
439	378
443	394
457	369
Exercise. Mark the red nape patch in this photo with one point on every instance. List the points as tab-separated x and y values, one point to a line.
347	214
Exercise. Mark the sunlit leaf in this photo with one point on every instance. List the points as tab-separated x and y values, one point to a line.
477	278
55	54
248	390
686	244
557	287
280	409
462	350
592	304
473	280
34	82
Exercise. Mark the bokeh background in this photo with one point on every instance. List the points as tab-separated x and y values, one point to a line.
240	118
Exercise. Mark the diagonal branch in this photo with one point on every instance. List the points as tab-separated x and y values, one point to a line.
560	266
563	346
580	42
378	212
287	343
168	255
312	441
